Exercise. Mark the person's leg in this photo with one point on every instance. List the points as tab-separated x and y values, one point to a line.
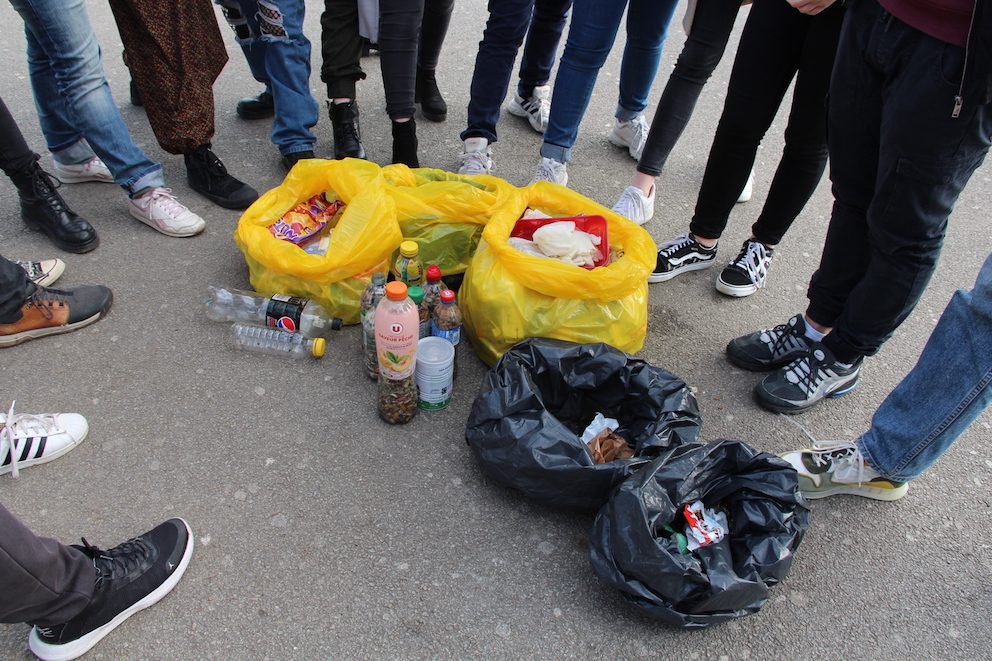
399	32
341	53
505	30
711	27
15	155
42	581
926	157
591	34
767	58
433	29
541	47
13	290
941	396
68	81
805	154
647	25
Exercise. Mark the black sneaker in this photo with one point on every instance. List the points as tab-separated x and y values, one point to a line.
129	578
261	106
747	273
291	159
770	348
681	254
207	175
806	380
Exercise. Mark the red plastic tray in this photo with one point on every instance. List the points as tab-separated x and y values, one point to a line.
595	225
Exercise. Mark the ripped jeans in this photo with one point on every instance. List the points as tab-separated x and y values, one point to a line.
270	33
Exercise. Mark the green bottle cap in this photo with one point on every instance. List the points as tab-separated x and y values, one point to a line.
416	293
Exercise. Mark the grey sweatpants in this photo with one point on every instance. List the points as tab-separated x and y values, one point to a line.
41	581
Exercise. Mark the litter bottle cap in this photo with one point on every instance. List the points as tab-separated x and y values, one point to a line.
318	348
396	290
416	293
447	296
409	249
433	273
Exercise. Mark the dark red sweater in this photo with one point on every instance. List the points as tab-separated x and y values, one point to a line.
947	20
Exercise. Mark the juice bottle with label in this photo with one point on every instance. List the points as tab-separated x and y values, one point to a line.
408	268
397	331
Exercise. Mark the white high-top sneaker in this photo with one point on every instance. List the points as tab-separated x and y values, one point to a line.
632	135
29	439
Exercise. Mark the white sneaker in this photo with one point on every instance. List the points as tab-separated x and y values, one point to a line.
28	440
43	273
748	189
92	170
160	210
632	135
536	109
551	170
477	157
635	206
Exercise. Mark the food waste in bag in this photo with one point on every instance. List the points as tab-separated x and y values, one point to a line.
578	240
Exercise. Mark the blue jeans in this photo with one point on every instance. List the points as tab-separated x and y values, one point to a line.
77	113
270	33
509	20
591	34
949	387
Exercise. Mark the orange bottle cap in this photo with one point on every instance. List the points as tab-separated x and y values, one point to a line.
396	290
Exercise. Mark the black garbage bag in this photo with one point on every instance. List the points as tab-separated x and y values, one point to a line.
526	423
767	517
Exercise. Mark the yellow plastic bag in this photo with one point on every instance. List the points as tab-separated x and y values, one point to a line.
361	242
508	296
444	212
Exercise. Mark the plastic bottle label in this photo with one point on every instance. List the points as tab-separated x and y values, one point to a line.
397	347
453	335
284	312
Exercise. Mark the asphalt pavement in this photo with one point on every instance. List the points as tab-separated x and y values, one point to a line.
322	532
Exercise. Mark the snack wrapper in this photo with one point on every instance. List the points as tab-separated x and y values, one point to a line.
704	526
305	219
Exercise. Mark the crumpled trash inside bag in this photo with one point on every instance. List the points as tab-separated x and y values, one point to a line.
704	526
562	241
525	425
599	424
632	547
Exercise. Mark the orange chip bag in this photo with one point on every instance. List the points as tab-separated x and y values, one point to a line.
305	219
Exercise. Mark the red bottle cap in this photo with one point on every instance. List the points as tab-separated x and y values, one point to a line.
396	291
433	273
447	296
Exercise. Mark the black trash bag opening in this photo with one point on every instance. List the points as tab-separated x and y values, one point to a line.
767	517
534	404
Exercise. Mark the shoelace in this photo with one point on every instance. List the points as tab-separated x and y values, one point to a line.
478	161
33	269
669	248
778	337
44	299
546	171
166	201
844	457
754	262
46	187
118	561
806	372
628	200
21	427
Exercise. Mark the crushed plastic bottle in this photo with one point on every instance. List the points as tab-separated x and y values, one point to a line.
289	313
277	342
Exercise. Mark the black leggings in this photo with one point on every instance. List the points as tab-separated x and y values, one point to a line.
711	27
399	42
778	44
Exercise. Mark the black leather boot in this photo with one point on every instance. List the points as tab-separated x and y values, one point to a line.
261	106
43	209
432	104
405	143
207	175
347	135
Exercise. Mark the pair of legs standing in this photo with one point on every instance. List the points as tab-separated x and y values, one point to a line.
905	136
592	33
408	51
542	21
83	128
778	44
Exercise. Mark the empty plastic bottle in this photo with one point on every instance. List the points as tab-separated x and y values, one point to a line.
277	342
288	313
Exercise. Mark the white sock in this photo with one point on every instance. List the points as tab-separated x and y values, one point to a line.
812	333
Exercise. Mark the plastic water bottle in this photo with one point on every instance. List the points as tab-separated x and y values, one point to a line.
277	342
288	313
